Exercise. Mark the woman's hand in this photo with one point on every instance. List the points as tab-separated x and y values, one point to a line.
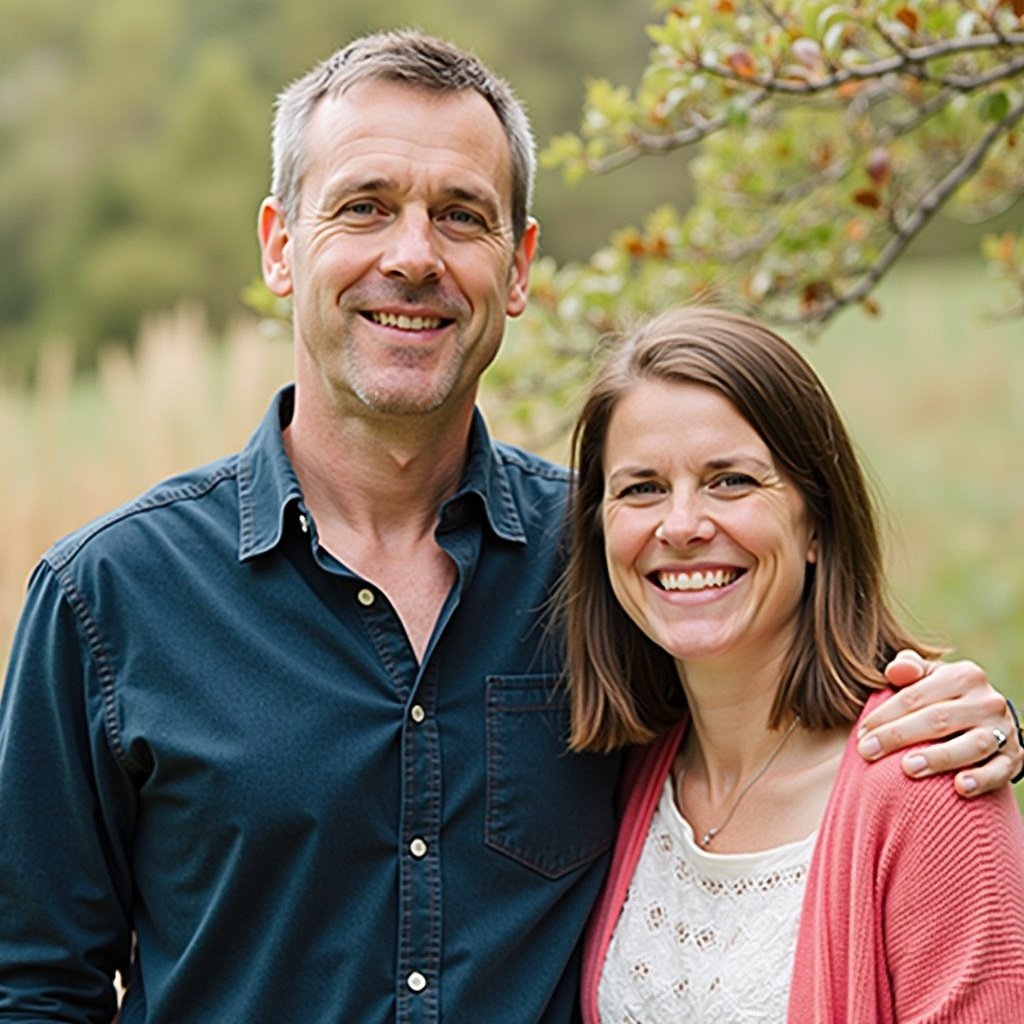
945	699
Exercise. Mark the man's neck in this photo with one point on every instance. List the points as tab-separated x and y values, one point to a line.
374	486
378	475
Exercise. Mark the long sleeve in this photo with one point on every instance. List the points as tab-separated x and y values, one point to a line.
915	904
66	807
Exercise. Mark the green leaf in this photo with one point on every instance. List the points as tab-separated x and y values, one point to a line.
995	106
737	113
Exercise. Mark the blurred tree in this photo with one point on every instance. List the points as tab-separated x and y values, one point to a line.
134	141
133	145
820	138
826	138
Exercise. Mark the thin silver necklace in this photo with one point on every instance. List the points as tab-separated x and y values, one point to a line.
705	839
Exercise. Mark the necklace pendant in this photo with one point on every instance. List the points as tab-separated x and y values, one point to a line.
708	836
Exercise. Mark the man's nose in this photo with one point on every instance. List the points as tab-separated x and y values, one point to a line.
411	248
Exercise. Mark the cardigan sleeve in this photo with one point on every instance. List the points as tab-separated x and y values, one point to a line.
914	910
952	881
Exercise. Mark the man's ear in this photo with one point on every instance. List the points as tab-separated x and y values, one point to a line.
520	273
274	238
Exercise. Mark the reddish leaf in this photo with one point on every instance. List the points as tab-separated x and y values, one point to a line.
909	18
725	7
879	167
821	157
814	294
867	197
632	243
856	230
742	64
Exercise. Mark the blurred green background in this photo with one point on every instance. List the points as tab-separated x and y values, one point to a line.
134	141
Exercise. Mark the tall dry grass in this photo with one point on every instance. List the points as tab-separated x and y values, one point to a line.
77	447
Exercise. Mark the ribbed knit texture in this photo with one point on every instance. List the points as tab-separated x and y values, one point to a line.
914	910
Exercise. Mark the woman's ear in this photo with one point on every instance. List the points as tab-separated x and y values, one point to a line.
812	548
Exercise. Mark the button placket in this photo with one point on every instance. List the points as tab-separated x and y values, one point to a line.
419	861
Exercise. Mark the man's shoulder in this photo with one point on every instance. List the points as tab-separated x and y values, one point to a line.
162	508
521	461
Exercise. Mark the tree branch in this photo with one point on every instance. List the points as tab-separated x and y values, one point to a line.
645	143
912	61
915	222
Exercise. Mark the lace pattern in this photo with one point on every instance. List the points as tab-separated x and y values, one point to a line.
704	938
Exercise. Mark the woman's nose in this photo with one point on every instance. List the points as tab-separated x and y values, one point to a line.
685	522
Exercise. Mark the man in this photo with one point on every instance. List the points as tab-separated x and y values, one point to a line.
282	739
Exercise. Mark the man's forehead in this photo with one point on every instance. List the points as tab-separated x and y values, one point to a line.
380	119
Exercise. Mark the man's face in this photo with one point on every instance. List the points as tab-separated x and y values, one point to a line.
400	260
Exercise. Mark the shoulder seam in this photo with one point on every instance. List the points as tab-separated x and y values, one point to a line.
535	465
64	551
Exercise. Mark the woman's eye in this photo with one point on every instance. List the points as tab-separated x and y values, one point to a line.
639	490
734	482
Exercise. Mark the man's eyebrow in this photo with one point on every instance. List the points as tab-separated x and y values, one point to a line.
344	186
468	195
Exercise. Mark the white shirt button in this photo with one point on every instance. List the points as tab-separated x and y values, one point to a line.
365	597
416	981
418	848
417	714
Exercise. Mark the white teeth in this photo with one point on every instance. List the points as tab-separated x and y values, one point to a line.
407	323
696	580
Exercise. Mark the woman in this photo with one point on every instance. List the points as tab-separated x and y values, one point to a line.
725	598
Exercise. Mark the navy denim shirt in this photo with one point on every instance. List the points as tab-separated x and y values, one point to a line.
217	739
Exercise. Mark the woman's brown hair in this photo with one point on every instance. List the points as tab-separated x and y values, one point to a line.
625	689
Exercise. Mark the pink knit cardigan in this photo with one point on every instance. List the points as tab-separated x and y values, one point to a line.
914	910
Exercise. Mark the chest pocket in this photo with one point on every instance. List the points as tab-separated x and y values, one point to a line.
547	808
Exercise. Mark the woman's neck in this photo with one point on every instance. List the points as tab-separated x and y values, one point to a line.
753	787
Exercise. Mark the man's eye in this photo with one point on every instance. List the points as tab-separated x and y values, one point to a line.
361	208
462	220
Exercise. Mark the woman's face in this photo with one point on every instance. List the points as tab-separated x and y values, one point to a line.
706	540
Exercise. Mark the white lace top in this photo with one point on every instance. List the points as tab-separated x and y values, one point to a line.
704	937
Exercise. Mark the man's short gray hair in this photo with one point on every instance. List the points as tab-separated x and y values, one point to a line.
405	56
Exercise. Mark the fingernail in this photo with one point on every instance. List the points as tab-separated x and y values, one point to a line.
870	747
968	784
915	763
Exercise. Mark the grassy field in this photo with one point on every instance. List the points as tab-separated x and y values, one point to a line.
933	393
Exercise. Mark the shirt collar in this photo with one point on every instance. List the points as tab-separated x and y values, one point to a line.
268	486
486	476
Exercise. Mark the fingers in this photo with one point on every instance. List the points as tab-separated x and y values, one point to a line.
947	718
988	767
952	701
908	667
950	697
